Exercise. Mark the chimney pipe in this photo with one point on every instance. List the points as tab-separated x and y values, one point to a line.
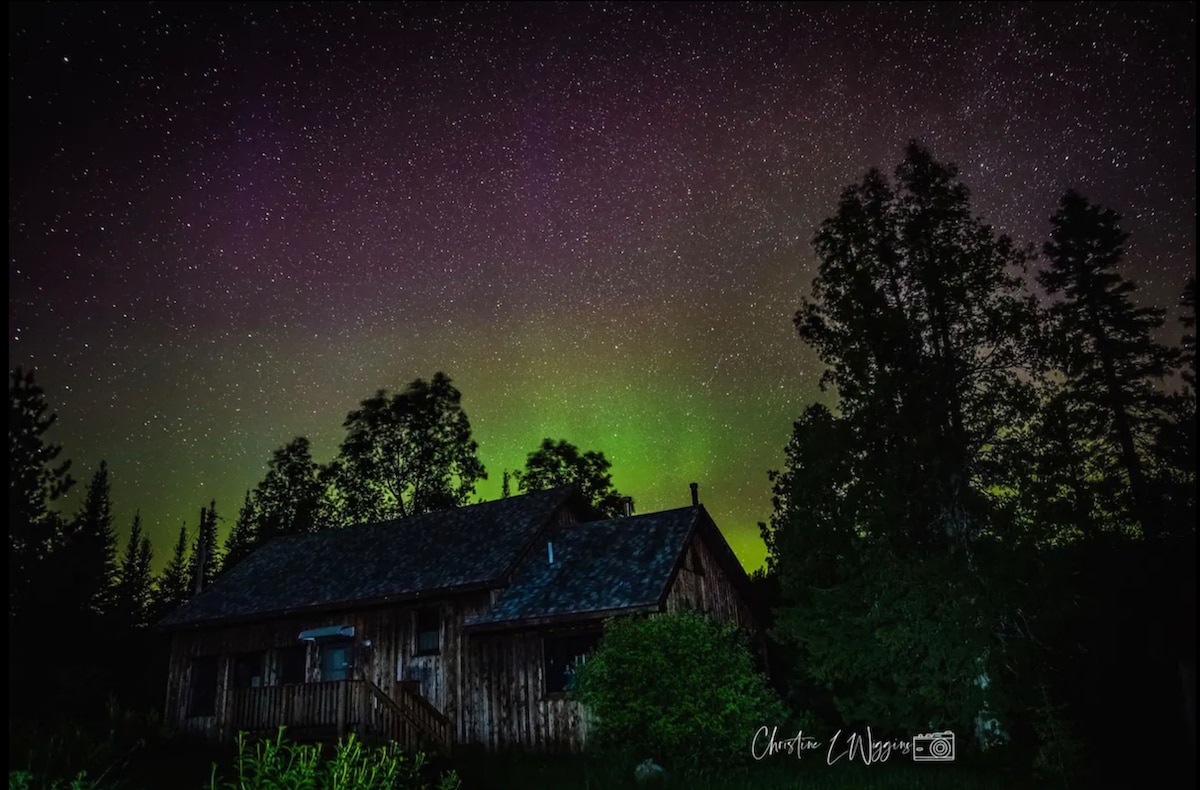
627	506
695	494
550	551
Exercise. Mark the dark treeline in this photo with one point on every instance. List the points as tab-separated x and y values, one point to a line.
81	600
991	529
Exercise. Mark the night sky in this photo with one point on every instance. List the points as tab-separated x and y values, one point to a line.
229	224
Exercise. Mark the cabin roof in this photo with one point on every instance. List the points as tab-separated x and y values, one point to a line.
467	547
599	567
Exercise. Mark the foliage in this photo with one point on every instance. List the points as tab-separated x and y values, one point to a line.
959	538
86	562
34	482
278	764
1104	343
243	537
24	780
172	587
779	772
405	455
135	578
288	499
561	463
83	754
679	687
922	323
206	553
889	515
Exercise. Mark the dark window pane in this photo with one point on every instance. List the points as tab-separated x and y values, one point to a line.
292	661
248	670
203	700
560	652
428	632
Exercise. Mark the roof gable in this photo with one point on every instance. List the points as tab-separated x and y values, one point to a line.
619	564
470	547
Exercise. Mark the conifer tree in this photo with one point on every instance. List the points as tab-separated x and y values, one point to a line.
243	537
172	588
87	561
136	577
36	478
1105	343
205	549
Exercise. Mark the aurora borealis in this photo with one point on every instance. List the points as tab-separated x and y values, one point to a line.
229	223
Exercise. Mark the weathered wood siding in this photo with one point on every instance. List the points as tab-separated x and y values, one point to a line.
506	706
703	586
384	652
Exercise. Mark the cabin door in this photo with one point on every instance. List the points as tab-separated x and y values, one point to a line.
335	660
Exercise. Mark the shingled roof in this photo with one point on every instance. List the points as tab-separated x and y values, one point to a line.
474	546
600	567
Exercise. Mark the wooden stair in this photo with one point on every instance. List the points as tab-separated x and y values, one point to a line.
410	720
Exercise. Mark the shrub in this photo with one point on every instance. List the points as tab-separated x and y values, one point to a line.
679	687
281	765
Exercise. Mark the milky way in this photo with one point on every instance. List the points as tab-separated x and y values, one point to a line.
230	223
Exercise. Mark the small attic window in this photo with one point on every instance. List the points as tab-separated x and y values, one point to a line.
428	632
693	560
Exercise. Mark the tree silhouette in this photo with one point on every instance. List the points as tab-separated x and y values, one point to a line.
922	324
1187	319
136	579
561	463
206	548
87	562
1105	344
34	481
886	514
173	587
407	454
244	535
288	499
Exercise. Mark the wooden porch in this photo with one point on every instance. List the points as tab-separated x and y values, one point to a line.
329	710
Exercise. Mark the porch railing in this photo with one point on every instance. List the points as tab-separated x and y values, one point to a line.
331	709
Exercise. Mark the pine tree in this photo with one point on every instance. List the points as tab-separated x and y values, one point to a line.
886	517
243	537
136	579
1104	343
205	548
34	482
172	588
88	559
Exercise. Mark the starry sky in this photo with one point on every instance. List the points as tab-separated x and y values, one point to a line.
229	223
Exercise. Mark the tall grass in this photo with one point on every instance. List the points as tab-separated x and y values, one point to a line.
277	764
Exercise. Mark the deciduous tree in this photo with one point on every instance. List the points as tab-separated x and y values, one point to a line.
561	463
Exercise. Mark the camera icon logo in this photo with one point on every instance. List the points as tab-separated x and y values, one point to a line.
933	747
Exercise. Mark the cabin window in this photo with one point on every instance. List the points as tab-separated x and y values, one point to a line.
248	670
694	559
203	700
559	654
336	660
428	632
293	663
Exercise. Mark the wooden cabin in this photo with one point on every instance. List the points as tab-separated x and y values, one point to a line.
455	627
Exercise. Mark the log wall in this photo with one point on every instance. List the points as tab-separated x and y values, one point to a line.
702	585
384	652
506	706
